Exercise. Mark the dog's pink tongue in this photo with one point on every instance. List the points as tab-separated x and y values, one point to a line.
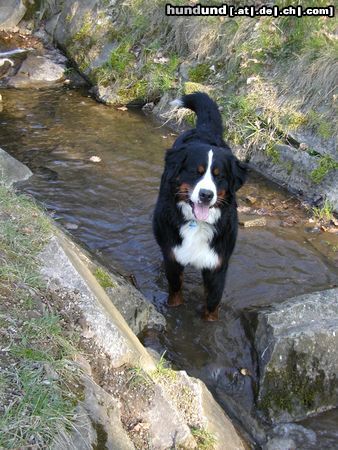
201	211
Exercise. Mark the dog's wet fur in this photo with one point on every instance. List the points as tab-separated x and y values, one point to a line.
195	219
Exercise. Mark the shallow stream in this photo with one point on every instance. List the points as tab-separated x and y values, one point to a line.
107	204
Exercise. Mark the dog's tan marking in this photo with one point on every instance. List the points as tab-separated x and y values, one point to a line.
209	316
201	169
183	192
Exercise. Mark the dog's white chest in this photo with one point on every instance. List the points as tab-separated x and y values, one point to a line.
195	248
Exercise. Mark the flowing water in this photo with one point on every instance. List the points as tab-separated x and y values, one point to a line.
108	203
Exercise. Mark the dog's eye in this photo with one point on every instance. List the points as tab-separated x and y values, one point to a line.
216	172
200	169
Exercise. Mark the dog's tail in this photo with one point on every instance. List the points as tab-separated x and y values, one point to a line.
209	120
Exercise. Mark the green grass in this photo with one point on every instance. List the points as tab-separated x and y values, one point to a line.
121	59
326	164
39	412
199	73
103	278
159	77
139	377
24	230
163	370
321	126
84	31
323	213
205	440
37	400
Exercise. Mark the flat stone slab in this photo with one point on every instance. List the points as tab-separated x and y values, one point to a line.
297	344
249	220
12	170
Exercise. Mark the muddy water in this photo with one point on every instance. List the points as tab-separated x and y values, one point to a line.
108	203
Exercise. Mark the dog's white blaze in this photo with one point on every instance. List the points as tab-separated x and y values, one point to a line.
205	183
195	248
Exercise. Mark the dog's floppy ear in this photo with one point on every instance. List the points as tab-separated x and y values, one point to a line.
174	161
239	173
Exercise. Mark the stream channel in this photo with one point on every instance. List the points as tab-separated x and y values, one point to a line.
109	205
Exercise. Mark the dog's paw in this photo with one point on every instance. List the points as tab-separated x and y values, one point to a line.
210	316
175	299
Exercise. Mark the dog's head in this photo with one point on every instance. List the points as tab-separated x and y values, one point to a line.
203	177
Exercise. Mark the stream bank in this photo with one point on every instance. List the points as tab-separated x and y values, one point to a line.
274	78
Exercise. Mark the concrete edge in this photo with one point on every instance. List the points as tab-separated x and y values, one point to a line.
76	258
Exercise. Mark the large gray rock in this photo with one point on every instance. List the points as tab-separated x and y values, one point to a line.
11	12
37	71
12	170
297	343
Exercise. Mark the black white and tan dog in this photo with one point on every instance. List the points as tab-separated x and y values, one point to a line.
195	219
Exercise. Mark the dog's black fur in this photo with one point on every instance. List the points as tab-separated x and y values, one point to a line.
183	162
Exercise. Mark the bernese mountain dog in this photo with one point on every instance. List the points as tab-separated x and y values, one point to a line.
195	219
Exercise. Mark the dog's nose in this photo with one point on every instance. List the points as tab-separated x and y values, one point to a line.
205	195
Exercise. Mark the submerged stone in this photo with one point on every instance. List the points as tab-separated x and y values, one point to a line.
251	221
296	344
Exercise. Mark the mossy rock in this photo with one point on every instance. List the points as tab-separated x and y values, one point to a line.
298	362
199	73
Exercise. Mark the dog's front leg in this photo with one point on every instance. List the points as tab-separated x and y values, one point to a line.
214	281
174	273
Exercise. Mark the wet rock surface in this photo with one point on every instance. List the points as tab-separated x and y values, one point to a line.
136	310
296	344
